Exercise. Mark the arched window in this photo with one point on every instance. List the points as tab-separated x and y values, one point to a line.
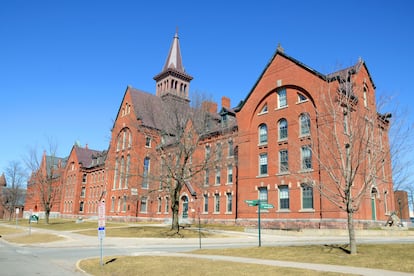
283	129
262	134
304	124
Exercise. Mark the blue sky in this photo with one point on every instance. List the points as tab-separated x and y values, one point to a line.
65	65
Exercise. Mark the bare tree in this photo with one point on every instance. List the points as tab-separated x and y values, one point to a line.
182	128
14	193
350	147
44	183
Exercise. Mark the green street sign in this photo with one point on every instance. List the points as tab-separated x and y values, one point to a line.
252	202
266	206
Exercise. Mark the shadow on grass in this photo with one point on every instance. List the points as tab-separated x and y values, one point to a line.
110	261
339	247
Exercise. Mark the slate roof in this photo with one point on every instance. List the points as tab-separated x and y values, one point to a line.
88	157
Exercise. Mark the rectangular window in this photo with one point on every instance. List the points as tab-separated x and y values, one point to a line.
229	174
263	194
307	197
306	155
81	206
143	207
206	176
217	203
229	202
283	161
159	205
208	152
219	152
167	205
84	178
263	164
124	203
146	173
148	142
205	198
281	94
284	197
83	192
231	149
218	176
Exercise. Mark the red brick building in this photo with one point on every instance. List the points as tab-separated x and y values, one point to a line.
268	147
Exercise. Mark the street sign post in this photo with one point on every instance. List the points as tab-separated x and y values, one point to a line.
260	205
101	225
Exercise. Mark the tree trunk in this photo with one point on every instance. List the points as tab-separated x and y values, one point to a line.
47	214
175	223
351	232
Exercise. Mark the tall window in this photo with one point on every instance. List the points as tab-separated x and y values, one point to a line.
216	203
146	172
128	165
231	149
143	206
115	173
283	161
263	164
81	206
218	176
205	206
283	129
307	197
219	152
229	202
230	174
83	192
281	96
284	197
206	176
124	204
112	204
167	204
263	194
262	134
121	172
148	142
304	124
306	155
208	152
159	205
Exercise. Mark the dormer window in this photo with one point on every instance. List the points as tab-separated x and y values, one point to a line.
224	120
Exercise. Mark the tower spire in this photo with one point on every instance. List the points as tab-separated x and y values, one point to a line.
173	79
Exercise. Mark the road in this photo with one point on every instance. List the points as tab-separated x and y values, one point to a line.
60	258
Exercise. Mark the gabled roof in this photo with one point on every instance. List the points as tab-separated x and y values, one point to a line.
87	156
146	107
280	52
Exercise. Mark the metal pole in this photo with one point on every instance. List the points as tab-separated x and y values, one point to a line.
101	251
258	212
199	230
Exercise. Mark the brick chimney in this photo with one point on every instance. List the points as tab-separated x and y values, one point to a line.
225	102
209	106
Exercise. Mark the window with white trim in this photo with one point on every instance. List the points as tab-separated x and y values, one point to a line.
263	164
281	96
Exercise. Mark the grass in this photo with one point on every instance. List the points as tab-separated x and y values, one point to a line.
176	266
396	257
